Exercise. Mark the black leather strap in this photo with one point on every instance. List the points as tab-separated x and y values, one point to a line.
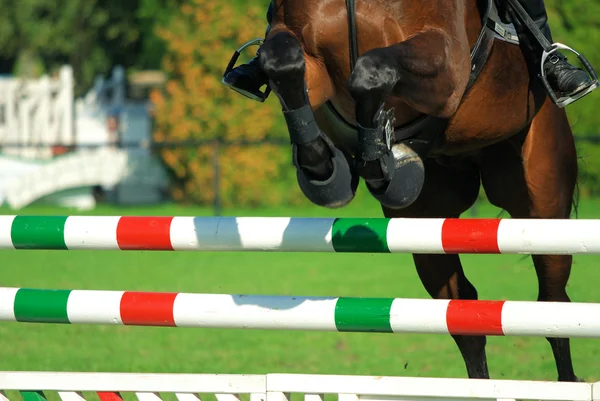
530	24
483	46
352	35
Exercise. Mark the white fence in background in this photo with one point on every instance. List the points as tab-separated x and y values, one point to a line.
43	119
37	111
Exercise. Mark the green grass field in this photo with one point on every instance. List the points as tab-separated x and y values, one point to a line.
104	348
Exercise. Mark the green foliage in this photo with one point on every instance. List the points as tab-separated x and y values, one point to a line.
90	35
195	105
589	168
150	15
576	24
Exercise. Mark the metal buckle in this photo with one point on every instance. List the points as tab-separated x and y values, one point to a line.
566	100
385	121
389	132
231	65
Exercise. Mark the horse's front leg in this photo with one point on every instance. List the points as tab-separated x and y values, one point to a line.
428	76
325	174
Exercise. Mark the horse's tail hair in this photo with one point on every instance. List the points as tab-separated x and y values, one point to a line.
576	198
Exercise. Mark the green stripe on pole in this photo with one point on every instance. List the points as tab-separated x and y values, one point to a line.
39	232
41	306
33	396
360	235
363	314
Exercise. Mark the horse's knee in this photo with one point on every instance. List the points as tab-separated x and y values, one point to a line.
282	56
374	75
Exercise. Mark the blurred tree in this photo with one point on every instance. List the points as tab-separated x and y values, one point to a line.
90	35
577	24
195	105
151	15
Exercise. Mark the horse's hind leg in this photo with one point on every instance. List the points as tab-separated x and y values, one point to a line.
443	278
537	180
325	174
448	193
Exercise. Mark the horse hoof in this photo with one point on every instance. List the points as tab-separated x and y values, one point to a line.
338	190
407	182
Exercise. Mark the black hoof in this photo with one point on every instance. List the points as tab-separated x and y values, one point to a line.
338	190
407	181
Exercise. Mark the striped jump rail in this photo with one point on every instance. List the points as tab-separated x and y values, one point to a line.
284	234
341	314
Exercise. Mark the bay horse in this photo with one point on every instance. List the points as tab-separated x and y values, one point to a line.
425	101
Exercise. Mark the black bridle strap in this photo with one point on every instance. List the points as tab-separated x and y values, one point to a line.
352	37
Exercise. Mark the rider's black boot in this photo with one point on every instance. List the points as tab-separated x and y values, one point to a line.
565	78
569	83
247	79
